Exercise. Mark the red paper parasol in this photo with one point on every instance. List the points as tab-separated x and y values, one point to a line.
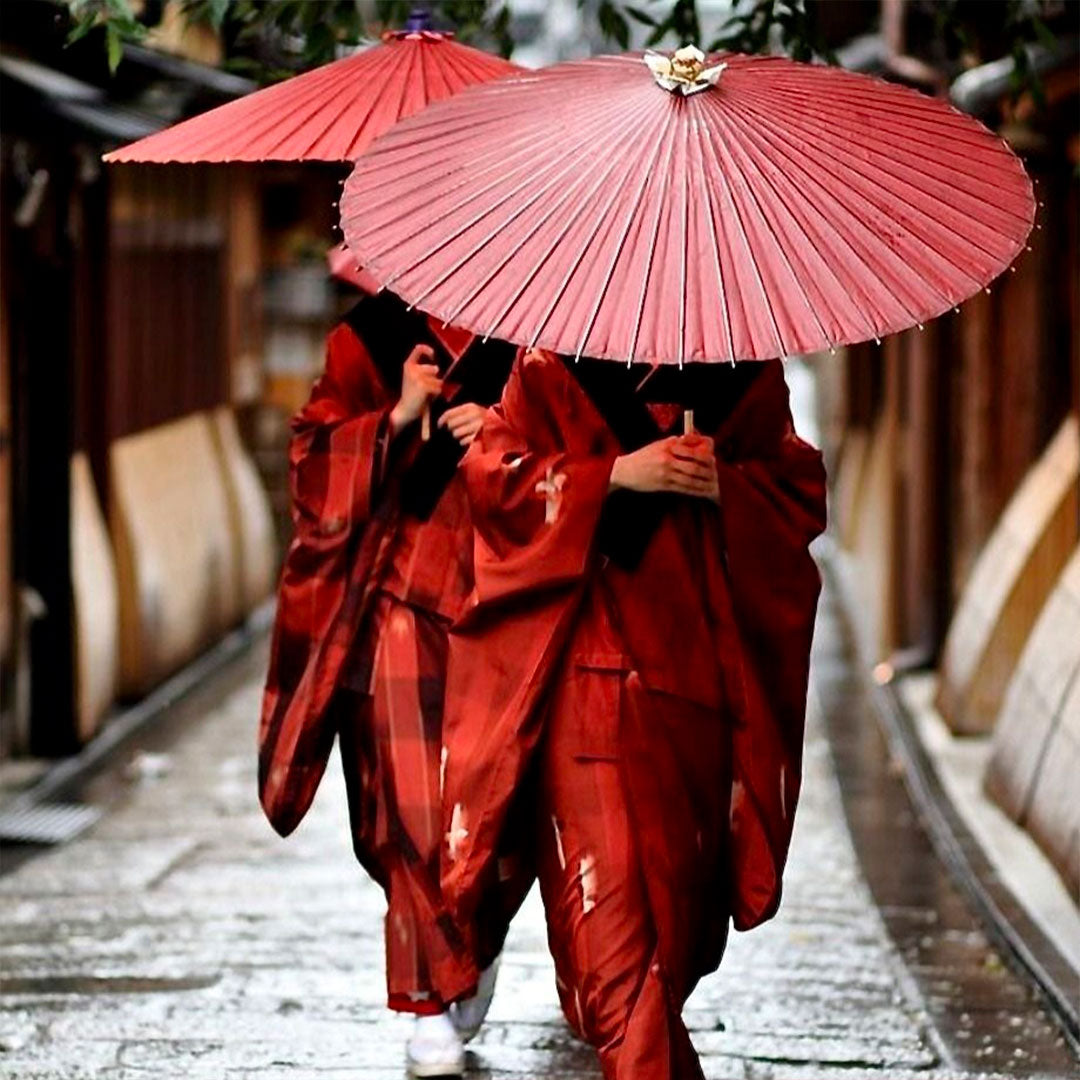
331	113
656	209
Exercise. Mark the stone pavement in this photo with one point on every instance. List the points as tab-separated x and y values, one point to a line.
182	938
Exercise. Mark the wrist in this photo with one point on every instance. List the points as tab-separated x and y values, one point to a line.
400	418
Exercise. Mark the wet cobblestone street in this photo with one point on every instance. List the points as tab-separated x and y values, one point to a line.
182	938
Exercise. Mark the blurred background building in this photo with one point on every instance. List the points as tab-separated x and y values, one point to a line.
159	324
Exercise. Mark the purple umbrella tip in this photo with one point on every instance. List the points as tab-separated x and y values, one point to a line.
419	20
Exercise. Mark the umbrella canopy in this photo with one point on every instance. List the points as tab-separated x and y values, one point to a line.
670	209
331	113
341	264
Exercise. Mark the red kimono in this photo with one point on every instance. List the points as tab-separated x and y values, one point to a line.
642	660
377	569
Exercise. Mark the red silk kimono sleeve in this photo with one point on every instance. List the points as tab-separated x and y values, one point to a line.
536	495
772	497
337	458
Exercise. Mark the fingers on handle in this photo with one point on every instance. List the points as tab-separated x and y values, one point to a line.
421	353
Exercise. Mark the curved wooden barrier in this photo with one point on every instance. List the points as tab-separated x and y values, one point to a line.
1034	768
1009	584
94	603
250	515
172	534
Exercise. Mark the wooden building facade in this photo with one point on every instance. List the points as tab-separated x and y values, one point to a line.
129	304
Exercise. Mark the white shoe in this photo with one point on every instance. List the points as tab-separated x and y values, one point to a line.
468	1015
435	1048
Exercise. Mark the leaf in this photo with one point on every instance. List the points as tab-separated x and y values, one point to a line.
640	16
114	47
217	9
1043	32
659	33
83	27
612	24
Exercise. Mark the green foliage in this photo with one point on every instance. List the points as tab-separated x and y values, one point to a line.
613	24
756	25
115	18
969	33
679	18
308	32
272	38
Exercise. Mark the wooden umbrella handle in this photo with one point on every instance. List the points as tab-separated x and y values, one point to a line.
425	424
688	422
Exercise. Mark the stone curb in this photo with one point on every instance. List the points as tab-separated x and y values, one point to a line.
1023	942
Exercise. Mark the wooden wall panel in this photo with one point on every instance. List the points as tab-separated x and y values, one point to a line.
168	349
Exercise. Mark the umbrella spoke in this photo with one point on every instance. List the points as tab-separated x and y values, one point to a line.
812	151
435	224
710	217
613	161
496	163
329	114
747	246
624	232
781	205
589	210
945	182
650	254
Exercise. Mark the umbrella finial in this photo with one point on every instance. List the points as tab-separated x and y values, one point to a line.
683	71
418	21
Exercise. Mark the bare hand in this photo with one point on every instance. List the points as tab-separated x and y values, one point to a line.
463	421
420	383
680	465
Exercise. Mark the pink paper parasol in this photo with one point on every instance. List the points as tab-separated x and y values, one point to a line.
331	113
658	209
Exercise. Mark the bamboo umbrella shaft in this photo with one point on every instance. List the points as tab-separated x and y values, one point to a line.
688	421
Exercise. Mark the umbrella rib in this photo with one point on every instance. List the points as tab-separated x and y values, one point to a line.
934	124
751	138
494	162
665	172
883	99
953	180
804	134
347	79
574	267
355	143
262	120
476	218
403	149
433	223
926	134
886	210
796	166
685	240
570	165
747	245
612	161
776	239
415	58
621	243
709	215
442	76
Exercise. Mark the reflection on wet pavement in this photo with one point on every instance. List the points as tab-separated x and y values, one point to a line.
182	938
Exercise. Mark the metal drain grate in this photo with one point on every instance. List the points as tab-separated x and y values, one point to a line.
46	823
